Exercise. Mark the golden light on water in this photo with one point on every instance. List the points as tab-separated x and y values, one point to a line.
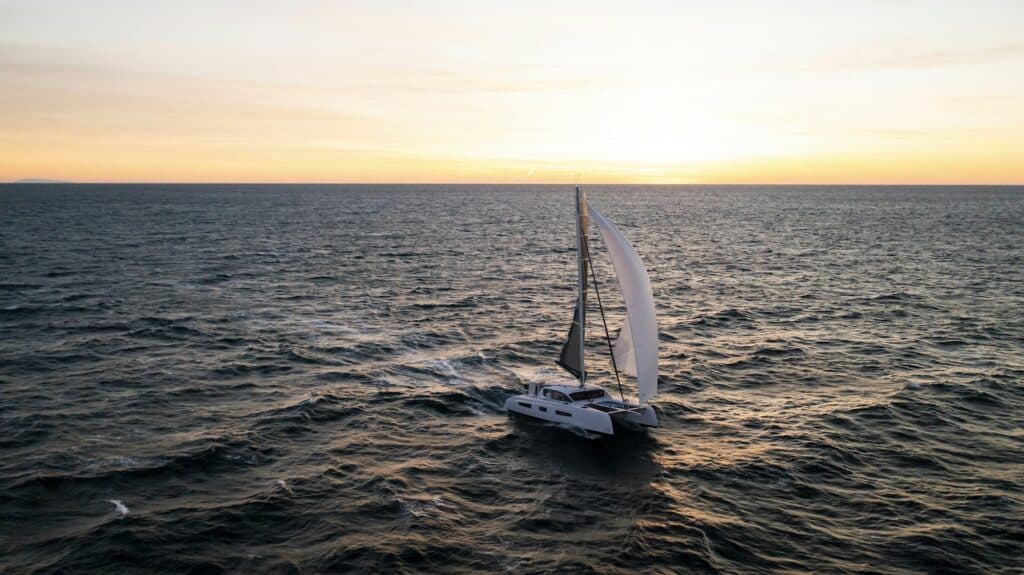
540	92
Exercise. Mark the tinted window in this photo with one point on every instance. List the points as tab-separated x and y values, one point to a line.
588	394
555	395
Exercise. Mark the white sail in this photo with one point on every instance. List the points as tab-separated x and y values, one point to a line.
641	328
625	359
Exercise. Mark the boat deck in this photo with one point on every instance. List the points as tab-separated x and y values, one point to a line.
613	407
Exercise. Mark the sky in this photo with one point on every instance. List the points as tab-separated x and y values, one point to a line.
525	92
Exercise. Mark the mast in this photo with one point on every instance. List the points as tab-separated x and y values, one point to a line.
582	257
571	356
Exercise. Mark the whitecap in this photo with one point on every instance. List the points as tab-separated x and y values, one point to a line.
125	461
444	367
119	507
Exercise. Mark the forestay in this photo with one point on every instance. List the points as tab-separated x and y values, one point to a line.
636	350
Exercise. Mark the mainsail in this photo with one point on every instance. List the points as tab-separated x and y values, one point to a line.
636	350
571	357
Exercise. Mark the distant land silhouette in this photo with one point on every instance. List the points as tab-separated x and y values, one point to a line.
41	181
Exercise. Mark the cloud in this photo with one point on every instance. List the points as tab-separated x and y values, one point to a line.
50	94
922	59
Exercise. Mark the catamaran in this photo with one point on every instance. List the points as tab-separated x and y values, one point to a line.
577	403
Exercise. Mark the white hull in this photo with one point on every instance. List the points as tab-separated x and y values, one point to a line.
598	416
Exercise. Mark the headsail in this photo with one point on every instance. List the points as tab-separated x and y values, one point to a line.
640	332
571	357
625	359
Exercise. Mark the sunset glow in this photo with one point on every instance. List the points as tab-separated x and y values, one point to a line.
651	92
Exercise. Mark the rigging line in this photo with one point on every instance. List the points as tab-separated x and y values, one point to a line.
607	335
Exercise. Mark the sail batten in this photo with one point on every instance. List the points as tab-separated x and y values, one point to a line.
636	350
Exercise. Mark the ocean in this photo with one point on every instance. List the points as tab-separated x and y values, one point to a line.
310	379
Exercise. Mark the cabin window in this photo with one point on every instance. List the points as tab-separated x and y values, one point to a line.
524	404
587	394
542	408
560	412
555	395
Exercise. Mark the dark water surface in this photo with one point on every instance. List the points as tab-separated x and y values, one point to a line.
310	379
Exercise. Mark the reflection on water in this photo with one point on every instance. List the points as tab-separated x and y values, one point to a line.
626	458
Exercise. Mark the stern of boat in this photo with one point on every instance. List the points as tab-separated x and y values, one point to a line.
640	417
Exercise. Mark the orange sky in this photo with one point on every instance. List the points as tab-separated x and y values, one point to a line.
645	92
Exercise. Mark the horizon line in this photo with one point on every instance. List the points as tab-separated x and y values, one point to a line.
434	183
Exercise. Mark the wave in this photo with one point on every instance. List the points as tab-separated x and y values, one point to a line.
459	403
724	318
208	456
837	388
